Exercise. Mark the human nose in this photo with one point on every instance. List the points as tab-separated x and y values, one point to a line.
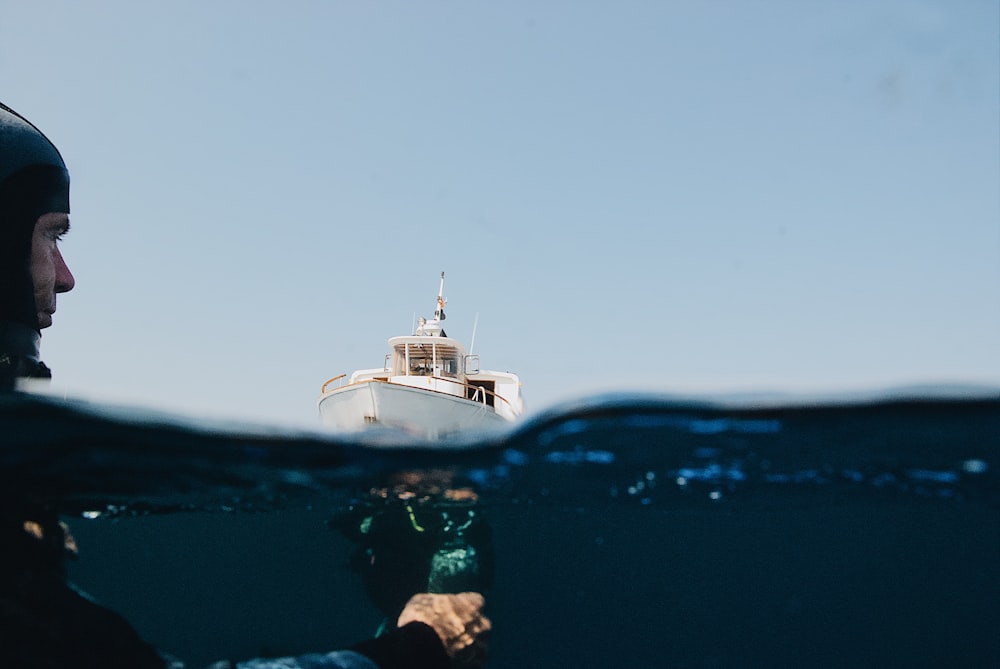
65	281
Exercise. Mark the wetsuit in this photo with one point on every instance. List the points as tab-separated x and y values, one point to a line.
415	646
44	622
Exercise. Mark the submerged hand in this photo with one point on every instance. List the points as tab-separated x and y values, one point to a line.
458	621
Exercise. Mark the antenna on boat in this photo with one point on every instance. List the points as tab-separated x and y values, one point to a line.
475	324
439	312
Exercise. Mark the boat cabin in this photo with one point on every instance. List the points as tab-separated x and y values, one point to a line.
441	362
415	356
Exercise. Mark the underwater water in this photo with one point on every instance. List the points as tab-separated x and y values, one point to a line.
616	531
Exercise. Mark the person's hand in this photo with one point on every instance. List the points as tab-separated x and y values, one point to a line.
458	621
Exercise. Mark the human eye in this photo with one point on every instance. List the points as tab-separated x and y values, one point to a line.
58	232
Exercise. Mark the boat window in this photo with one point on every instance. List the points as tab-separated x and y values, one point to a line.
399	367
420	364
472	364
422	360
451	367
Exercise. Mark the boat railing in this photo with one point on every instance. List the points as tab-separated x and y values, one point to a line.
482	391
329	381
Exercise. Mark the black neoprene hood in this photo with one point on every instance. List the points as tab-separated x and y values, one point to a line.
33	182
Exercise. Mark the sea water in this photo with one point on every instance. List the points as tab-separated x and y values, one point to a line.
622	531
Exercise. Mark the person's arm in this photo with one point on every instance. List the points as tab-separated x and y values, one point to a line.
415	645
340	659
434	632
458	621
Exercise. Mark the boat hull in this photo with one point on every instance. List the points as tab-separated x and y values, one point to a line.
416	411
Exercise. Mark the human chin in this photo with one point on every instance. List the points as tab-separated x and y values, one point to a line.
44	319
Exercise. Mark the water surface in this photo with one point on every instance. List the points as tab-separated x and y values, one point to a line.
624	531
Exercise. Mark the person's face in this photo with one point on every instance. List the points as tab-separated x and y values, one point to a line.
49	271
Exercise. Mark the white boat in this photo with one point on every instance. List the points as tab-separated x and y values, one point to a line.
428	387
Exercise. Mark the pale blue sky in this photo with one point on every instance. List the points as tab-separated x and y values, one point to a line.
683	197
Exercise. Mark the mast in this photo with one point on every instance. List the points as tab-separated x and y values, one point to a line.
439	312
432	327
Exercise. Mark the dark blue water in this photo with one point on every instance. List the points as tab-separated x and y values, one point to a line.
623	531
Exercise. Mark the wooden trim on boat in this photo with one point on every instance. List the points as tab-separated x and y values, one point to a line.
329	381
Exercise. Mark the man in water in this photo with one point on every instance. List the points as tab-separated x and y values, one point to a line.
44	622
